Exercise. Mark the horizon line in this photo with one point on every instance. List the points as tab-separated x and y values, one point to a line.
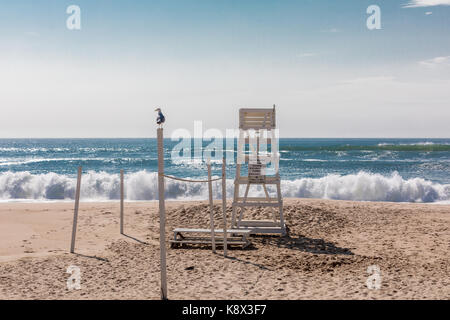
154	137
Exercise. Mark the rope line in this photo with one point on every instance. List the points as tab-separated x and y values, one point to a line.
187	180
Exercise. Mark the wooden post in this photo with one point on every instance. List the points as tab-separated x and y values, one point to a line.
224	206
75	211
240	159
121	201
162	214
211	208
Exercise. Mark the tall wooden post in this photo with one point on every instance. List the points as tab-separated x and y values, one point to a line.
240	159
211	208
75	211
121	201
162	214
224	206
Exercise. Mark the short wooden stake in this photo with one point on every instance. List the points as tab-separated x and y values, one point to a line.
75	211
121	201
211	208
224	206
162	214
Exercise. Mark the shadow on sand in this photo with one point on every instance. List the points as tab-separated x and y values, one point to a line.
305	244
91	257
135	239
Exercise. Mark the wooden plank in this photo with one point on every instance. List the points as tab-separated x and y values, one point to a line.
262	158
256	127
254	119
255	114
188	230
208	241
268	230
256	110
268	180
259	223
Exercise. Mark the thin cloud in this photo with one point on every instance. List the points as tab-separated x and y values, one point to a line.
370	80
332	30
32	34
426	3
436	62
306	55
428	13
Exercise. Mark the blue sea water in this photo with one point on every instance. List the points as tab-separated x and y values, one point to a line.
402	170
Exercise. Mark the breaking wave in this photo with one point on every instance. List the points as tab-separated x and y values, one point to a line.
417	147
142	185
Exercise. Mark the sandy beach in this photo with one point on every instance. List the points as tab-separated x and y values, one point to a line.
326	255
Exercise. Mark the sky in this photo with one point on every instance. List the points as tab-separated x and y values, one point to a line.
328	74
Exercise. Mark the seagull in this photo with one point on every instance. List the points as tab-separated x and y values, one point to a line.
160	119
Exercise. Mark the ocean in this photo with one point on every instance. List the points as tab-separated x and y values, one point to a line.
398	170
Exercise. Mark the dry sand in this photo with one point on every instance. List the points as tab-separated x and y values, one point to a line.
326	255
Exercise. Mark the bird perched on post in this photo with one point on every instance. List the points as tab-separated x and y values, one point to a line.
160	119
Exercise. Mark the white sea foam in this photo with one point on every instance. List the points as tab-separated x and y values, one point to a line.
32	150
142	185
20	161
56	149
368	187
422	143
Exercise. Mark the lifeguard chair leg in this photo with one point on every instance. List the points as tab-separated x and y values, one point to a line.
236	194
280	204
274	214
243	208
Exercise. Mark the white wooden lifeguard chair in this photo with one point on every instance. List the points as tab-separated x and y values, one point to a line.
257	130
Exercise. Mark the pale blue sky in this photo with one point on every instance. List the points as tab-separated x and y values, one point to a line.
203	59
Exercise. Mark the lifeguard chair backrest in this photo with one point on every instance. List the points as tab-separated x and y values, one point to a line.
251	121
256	119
